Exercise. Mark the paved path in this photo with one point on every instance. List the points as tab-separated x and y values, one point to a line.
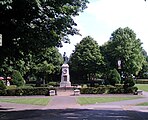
62	102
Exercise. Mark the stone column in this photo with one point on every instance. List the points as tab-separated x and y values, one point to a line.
65	77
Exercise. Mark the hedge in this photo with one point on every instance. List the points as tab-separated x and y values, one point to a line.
141	81
108	90
26	91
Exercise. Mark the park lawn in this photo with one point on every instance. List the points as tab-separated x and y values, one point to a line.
32	101
143	104
95	100
143	87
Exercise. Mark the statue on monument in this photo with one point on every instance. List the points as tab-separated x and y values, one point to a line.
65	58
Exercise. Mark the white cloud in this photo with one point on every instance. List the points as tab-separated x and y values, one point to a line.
102	17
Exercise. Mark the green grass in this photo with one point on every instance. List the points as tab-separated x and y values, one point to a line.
32	101
143	104
94	100
143	87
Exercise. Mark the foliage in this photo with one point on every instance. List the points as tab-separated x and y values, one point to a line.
48	60
2	85
53	84
86	61
33	25
108	89
114	77
93	90
26	86
123	45
129	82
46	63
132	89
17	79
27	91
144	72
3	92
11	87
141	81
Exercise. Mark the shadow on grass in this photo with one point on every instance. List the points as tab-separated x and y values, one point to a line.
73	114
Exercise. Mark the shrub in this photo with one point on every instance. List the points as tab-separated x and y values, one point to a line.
84	86
93	90
10	92
141	81
114	77
3	92
26	86
119	89
131	89
53	84
11	87
129	82
27	91
116	90
2	85
18	80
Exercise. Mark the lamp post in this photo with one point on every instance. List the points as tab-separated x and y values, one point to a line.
119	68
119	64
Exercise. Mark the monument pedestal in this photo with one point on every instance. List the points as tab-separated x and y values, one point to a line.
65	77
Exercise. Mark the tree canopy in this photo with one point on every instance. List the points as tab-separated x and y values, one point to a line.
144	72
123	45
44	63
86	59
30	25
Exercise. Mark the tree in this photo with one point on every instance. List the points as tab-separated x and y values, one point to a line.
144	72
129	82
17	78
2	85
32	25
114	77
123	45
86	61
47	63
44	64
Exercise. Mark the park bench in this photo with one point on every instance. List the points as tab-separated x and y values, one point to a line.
52	92
76	92
138	92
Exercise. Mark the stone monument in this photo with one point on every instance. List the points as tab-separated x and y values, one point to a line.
65	77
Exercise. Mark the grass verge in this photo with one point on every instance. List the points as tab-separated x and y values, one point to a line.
143	104
94	100
31	101
143	87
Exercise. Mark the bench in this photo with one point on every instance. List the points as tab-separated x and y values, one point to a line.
138	92
76	92
52	92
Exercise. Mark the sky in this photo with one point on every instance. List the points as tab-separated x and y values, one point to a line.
102	17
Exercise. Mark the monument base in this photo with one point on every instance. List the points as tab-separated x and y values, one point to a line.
65	84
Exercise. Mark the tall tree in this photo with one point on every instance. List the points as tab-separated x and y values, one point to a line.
86	61
144	72
123	45
45	63
30	25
